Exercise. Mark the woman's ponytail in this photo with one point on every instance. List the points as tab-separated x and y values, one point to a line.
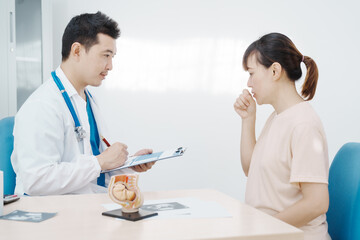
311	78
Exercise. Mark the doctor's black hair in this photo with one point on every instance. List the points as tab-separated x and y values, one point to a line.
84	29
276	47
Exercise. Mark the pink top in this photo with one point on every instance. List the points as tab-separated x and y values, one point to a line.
292	148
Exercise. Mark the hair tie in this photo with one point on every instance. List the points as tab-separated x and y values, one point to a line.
302	58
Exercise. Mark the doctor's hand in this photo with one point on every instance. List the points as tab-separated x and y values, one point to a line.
113	157
245	105
146	166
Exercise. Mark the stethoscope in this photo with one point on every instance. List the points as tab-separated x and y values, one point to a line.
80	132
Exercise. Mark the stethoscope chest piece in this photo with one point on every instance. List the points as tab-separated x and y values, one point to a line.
80	133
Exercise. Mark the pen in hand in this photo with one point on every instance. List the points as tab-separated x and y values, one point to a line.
105	141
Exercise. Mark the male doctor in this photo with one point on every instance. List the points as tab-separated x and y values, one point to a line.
57	133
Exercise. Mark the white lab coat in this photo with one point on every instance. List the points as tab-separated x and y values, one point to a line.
47	157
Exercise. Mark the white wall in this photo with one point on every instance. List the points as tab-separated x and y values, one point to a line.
178	71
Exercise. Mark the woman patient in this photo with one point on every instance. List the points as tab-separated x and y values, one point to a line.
287	166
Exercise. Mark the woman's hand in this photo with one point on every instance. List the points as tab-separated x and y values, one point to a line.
245	105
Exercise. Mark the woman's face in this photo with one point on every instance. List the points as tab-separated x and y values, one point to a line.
260	81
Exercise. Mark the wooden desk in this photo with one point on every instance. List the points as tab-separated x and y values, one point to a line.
79	217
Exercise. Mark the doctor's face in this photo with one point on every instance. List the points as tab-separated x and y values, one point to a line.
97	61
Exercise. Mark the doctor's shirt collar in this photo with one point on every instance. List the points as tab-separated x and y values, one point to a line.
65	81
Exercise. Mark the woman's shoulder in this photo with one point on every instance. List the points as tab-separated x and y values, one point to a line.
306	119
307	114
300	114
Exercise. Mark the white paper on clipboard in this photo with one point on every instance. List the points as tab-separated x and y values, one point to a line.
136	160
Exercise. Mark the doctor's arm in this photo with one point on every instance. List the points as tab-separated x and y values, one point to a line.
46	156
314	203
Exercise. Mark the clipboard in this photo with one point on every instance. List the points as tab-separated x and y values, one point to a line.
136	160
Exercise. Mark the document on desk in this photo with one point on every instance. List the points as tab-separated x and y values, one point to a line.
181	208
136	160
19	215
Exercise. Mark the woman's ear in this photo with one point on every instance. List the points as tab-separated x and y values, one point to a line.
276	70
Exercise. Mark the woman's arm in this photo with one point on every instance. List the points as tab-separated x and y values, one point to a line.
314	203
247	143
245	106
